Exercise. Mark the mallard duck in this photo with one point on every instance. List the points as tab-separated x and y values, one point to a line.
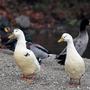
74	63
5	26
25	58
80	42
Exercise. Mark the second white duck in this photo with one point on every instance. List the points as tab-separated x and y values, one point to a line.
74	63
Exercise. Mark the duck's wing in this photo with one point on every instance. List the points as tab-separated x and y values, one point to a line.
36	46
39	51
40	47
61	57
29	55
80	45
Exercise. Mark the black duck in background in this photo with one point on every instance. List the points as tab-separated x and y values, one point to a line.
5	26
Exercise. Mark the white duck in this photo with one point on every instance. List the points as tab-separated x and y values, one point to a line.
74	64
24	57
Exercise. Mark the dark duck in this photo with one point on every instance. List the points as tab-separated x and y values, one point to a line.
80	41
4	28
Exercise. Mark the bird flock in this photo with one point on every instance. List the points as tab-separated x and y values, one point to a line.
28	56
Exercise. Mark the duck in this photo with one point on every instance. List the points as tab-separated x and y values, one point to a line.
5	26
80	42
25	58
74	63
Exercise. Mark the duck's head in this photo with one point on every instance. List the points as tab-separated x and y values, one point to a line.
84	22
5	25
65	37
16	34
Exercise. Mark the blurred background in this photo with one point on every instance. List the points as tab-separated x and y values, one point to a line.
44	21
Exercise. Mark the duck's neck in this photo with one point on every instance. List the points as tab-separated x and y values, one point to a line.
21	42
71	47
83	33
83	30
82	27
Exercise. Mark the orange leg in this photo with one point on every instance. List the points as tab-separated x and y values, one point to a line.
28	78
73	84
71	81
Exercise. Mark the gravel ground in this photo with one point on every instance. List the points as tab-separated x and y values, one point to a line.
51	77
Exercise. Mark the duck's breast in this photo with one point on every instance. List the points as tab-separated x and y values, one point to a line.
74	65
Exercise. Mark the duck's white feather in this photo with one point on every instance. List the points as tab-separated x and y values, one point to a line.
74	64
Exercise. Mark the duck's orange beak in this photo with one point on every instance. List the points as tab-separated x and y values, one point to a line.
60	40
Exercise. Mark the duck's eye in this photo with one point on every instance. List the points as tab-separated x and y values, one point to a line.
64	37
15	31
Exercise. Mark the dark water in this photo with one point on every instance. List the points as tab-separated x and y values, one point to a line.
48	39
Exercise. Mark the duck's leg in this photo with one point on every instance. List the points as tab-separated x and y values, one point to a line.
79	82
28	78
74	84
71	81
